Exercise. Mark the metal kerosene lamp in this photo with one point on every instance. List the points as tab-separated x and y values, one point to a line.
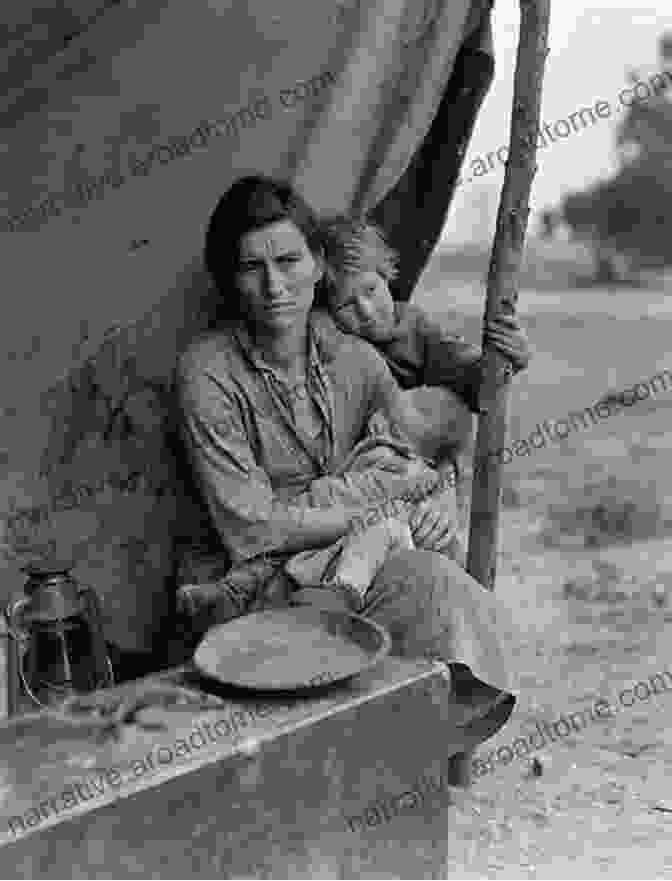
56	646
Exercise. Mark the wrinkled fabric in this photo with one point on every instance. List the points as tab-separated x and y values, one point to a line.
299	86
349	564
421	352
432	608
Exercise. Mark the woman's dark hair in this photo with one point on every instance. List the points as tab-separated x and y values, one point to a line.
250	203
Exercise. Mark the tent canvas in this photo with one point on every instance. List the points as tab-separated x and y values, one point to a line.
123	123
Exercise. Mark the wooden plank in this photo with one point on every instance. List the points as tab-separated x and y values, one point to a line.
307	787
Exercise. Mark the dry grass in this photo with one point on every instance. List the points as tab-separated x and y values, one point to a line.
606	512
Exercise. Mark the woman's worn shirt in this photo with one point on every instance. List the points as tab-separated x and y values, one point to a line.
260	472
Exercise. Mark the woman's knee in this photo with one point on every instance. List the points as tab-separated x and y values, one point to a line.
421	566
410	578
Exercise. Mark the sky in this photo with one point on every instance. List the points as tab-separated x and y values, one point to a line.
592	46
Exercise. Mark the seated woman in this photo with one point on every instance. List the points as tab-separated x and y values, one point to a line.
272	403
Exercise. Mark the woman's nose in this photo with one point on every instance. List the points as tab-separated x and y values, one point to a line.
273	280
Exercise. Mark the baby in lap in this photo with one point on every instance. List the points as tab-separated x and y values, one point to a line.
402	480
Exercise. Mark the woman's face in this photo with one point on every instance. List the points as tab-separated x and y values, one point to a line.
276	276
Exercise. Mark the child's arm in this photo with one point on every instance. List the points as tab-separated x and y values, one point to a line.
441	358
420	352
450	361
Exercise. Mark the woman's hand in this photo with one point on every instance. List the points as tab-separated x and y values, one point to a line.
381	457
434	523
387	459
509	338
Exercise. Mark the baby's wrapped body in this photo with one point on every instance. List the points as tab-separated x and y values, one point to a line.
401	480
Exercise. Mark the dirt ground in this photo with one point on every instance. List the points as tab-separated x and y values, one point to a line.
591	601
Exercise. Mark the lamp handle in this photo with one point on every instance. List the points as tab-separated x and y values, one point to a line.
14	614
18	632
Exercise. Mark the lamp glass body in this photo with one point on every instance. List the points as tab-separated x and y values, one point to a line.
59	647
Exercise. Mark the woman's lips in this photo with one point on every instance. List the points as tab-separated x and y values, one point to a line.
280	307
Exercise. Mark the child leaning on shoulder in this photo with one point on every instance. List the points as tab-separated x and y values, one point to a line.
360	266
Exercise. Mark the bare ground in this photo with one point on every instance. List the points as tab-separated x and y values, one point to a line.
591	598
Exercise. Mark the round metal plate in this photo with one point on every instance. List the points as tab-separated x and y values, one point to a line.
289	649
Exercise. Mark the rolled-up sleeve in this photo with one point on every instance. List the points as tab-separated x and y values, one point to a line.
450	361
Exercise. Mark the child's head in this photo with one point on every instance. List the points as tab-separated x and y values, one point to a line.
359	265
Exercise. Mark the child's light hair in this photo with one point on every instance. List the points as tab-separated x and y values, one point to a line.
355	245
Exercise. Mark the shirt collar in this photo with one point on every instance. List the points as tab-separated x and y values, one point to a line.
318	349
401	313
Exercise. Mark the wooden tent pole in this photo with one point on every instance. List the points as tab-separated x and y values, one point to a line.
502	287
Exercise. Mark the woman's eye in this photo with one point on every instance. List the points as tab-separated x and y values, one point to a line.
256	266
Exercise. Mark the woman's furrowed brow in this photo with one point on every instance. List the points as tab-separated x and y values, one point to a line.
292	254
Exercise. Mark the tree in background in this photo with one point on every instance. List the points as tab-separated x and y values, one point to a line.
624	219
549	220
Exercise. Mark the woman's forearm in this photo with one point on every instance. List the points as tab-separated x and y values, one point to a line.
306	526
